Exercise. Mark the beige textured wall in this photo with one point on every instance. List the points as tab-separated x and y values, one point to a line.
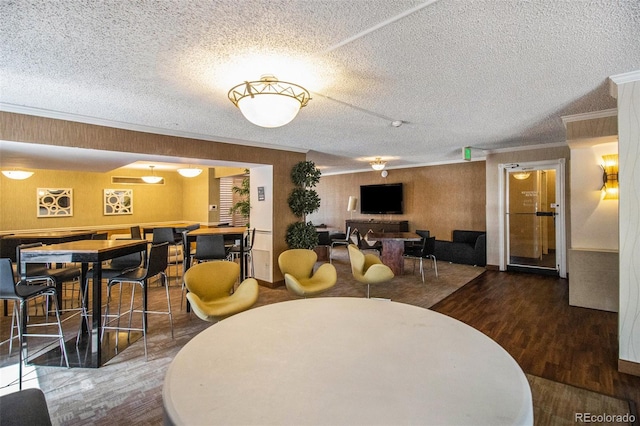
629	158
438	198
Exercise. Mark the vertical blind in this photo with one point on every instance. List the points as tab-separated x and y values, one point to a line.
228	198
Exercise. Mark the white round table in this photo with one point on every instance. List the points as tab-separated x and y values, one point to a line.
332	361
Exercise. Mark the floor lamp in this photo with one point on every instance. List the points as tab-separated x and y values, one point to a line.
351	206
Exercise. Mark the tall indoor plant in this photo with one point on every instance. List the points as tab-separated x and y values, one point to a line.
303	200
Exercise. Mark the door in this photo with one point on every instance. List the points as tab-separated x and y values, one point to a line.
532	225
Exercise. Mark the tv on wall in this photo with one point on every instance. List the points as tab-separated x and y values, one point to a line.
381	199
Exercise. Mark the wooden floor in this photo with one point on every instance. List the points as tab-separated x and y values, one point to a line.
529	315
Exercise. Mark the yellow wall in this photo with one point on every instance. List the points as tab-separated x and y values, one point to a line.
176	199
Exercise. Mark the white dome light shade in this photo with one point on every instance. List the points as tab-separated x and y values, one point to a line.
153	178
269	102
269	109
17	174
378	164
190	172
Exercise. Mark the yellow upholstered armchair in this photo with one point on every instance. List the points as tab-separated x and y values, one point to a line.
210	285
297	267
368	268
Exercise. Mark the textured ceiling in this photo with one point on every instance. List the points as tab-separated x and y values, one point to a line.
490	74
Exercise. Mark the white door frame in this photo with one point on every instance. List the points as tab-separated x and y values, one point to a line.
561	241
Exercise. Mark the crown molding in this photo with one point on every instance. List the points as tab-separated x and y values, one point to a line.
612	112
618	79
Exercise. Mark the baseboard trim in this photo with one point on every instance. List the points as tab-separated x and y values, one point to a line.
492	267
629	367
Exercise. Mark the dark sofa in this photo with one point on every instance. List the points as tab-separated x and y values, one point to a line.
468	247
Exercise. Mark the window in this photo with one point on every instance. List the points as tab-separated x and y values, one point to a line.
228	198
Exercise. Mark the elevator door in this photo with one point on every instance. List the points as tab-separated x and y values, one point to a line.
531	220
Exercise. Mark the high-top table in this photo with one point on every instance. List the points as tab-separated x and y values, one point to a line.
344	361
393	248
86	252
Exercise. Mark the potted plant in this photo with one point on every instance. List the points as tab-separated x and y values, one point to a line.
243	205
303	200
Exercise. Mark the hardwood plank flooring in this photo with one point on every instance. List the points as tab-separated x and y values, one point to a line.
529	315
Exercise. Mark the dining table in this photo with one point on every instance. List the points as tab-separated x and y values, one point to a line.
344	361
90	350
393	247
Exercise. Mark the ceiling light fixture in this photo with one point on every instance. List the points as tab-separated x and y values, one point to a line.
153	178
269	102
521	175
190	172
378	164
17	174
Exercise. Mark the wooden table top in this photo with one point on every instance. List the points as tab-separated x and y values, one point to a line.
401	236
44	235
85	246
219	231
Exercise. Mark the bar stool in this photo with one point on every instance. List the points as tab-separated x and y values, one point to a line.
156	265
167	235
234	252
21	293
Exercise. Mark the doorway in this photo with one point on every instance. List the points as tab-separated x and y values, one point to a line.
532	225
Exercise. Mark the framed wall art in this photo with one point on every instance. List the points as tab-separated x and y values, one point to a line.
54	202
118	201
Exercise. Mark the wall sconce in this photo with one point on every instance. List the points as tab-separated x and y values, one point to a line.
610	176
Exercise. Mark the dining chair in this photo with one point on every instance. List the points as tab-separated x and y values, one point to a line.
339	241
413	247
139	277
135	232
20	294
209	247
425	252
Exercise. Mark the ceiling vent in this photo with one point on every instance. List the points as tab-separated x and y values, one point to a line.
129	180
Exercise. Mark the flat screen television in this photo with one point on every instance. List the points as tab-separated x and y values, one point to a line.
381	199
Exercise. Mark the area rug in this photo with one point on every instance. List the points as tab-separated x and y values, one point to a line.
559	404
